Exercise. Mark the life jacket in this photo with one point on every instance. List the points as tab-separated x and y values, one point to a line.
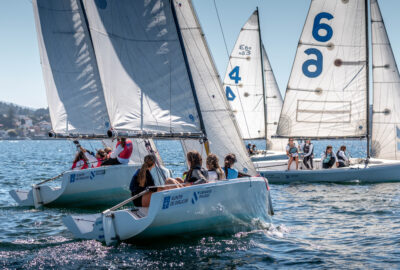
293	150
127	152
327	158
339	157
99	162
306	148
85	165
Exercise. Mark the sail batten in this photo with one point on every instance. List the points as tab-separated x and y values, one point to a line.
326	96
73	86
386	83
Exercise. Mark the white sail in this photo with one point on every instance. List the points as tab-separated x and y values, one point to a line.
273	103
326	96
386	82
220	126
146	84
74	91
243	81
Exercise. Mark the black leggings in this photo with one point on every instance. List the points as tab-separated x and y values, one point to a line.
110	161
306	160
329	164
341	164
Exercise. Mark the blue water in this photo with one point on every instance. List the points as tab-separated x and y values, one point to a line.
315	226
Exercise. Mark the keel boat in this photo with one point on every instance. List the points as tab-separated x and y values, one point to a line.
165	46
200	209
327	96
78	110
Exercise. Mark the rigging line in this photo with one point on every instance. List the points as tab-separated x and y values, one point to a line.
230	65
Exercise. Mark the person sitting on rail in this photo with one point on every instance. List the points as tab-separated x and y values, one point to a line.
308	151
293	153
143	179
329	158
230	172
254	149
108	151
196	174
215	172
342	157
121	154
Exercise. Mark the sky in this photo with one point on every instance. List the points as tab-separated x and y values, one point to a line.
21	79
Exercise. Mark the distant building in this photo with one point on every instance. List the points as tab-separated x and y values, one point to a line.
44	125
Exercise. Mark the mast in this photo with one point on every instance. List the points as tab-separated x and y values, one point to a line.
196	101
263	79
367	68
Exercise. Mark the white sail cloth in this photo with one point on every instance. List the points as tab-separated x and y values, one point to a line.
386	82
74	91
146	84
326	96
243	81
220	127
273	103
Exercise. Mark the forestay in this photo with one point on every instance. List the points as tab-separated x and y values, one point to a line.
74	91
274	102
146	83
386	81
243	81
220	127
326	96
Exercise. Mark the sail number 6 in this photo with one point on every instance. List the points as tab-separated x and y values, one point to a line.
321	37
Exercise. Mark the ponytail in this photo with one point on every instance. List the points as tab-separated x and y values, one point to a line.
149	161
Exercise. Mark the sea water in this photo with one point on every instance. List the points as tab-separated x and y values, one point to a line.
315	226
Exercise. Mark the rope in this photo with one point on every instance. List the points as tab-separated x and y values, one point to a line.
229	62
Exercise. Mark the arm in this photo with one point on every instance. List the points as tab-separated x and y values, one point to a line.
309	151
116	152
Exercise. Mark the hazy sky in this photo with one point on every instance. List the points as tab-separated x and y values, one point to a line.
21	78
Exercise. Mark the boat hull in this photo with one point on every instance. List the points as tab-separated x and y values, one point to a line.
378	171
224	207
101	186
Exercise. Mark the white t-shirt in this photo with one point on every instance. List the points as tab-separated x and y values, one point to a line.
212	176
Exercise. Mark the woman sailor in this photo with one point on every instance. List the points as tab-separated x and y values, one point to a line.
329	158
342	157
293	153
308	150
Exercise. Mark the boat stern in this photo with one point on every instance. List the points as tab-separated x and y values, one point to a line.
85	226
22	197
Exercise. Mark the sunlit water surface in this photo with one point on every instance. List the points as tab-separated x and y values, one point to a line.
315	226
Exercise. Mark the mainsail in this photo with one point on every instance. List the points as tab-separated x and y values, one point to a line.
73	86
147	87
386	82
221	129
243	81
327	93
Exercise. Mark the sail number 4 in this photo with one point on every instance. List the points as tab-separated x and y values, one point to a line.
234	76
325	36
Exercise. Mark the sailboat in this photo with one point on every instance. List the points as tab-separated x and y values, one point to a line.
327	96
252	91
168	83
78	110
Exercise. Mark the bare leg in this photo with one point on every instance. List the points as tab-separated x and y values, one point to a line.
289	163
297	162
171	181
146	198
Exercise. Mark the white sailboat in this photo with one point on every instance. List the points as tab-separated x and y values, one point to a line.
328	91
77	109
252	91
162	45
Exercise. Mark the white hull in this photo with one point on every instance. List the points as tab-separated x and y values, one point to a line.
377	171
268	155
222	207
83	188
